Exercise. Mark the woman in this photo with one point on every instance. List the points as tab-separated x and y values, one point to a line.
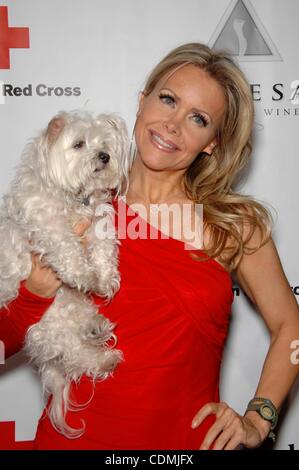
192	136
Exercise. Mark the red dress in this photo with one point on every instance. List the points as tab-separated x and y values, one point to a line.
172	316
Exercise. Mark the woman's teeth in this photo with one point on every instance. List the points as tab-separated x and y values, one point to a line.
161	142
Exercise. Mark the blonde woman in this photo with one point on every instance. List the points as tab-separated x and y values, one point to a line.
192	135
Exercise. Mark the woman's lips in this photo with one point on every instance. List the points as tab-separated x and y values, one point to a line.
164	145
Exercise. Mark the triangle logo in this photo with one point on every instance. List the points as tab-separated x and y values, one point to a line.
241	32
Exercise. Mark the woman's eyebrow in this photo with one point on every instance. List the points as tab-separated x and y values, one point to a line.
194	110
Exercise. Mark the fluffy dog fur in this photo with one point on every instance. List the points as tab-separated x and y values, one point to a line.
65	175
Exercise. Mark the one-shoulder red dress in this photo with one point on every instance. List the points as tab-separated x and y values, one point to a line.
172	315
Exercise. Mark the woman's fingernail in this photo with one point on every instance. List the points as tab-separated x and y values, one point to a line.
193	425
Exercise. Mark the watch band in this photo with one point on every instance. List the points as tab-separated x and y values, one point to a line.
267	410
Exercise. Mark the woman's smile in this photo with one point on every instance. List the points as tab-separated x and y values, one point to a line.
162	144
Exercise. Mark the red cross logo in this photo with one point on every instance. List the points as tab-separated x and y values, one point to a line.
10	38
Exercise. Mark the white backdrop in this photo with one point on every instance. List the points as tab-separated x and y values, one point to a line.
106	49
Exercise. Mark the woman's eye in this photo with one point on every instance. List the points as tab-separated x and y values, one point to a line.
167	99
79	145
200	120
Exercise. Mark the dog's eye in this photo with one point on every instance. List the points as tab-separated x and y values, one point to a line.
79	145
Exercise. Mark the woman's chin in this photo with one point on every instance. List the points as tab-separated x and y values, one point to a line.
154	164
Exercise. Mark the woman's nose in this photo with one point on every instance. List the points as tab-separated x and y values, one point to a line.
173	124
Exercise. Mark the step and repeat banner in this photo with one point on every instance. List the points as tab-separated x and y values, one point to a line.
95	54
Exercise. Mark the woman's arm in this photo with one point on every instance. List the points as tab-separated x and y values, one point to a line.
261	276
18	316
35	296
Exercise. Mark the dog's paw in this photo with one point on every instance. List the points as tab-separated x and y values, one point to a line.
103	363
108	286
99	332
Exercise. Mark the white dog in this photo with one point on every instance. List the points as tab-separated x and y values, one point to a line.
66	174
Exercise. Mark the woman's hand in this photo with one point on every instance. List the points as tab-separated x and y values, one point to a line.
80	229
42	280
230	430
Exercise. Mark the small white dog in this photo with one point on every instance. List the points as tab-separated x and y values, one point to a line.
66	174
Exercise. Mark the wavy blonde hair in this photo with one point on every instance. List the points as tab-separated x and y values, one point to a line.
232	218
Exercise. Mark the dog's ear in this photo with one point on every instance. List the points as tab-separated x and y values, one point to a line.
55	127
115	121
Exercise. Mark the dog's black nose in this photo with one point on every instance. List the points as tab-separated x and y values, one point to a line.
104	157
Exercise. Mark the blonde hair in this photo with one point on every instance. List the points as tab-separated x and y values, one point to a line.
232	218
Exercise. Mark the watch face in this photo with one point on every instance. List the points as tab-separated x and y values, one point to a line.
266	412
